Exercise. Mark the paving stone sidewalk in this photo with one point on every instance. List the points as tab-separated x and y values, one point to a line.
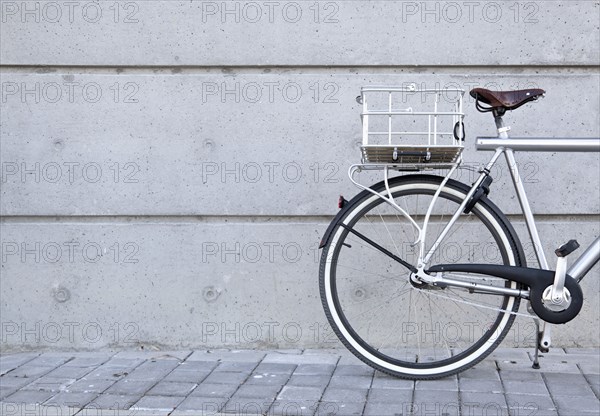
290	382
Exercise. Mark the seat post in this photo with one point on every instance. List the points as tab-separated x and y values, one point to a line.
502	129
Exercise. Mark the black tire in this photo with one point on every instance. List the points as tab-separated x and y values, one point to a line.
348	266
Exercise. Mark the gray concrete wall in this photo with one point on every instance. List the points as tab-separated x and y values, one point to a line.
168	167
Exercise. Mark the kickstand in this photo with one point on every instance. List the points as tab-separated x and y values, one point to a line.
536	360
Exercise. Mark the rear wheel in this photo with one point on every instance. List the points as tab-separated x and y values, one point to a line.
406	328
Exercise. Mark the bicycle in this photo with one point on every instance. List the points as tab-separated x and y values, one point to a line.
421	276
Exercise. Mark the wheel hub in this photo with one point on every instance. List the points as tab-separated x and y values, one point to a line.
416	282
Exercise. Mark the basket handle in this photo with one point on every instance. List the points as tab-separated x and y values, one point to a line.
462	126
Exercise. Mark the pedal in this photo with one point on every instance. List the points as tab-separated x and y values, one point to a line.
567	248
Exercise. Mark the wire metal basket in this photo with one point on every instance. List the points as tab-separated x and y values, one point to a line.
407	128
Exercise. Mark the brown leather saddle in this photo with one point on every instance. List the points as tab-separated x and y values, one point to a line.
500	101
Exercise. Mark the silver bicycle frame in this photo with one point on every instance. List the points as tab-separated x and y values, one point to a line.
506	145
591	255
586	261
503	143
537	144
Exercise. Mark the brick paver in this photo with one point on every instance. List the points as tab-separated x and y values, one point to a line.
310	382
